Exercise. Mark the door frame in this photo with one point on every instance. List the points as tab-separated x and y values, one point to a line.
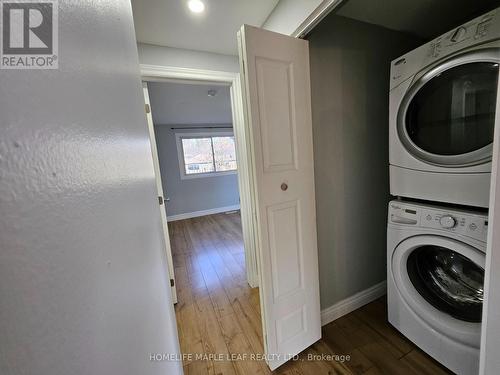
159	73
490	329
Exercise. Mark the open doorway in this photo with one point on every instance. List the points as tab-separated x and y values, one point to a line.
196	148
206	191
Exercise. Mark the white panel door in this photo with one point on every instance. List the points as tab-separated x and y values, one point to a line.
278	98
159	187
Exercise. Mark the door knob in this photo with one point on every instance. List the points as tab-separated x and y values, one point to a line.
284	186
162	200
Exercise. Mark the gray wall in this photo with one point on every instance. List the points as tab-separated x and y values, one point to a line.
349	77
182	105
191	195
83	282
424	19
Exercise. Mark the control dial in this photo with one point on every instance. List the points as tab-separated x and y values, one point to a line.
459	34
447	222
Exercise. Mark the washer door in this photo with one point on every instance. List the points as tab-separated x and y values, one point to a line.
448	115
442	280
447	280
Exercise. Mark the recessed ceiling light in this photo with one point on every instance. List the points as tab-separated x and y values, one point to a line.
196	6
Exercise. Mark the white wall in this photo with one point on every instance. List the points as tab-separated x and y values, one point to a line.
285	18
180	106
288	15
83	283
350	63
182	58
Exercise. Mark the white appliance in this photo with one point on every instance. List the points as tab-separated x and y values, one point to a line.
435	265
442	115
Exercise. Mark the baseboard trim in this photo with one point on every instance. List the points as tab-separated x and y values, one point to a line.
352	303
212	211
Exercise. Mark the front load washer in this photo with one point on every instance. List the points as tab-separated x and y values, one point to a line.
435	275
442	115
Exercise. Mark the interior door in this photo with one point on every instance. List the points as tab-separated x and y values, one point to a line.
278	102
161	200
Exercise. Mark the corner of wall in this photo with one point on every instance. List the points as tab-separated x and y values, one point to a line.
288	15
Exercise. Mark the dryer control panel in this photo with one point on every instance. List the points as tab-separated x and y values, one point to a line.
480	30
466	35
467	223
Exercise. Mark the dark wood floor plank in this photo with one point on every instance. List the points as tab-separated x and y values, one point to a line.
375	316
340	343
422	364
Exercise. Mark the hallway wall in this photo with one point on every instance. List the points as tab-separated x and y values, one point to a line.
83	281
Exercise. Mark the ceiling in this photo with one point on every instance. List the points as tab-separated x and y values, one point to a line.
170	23
180	103
423	18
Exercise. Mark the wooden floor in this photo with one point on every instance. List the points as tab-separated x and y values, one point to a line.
218	315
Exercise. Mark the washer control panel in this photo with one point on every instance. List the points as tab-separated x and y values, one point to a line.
467	223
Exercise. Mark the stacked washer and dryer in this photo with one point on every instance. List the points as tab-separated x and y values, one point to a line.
442	117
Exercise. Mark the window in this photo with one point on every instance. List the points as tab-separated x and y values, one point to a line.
206	154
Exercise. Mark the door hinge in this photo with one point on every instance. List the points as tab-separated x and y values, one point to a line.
148	108
172	283
160	200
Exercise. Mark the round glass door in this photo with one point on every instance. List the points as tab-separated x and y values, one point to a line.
449	116
449	281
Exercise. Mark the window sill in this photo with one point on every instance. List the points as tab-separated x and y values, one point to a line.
204	175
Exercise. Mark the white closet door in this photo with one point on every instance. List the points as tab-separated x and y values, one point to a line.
278	99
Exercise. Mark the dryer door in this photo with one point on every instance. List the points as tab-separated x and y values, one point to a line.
441	280
448	115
